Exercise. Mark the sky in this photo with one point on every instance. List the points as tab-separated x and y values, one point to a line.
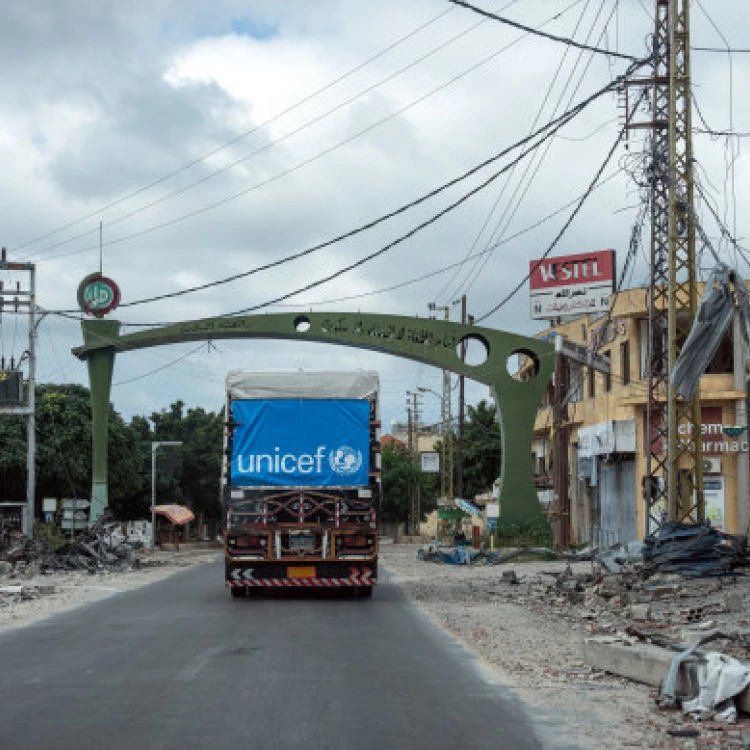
211	138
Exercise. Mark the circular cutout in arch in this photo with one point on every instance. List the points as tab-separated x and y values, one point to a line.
473	349
302	324
523	365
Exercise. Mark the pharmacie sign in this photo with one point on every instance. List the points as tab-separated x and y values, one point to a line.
301	443
717	438
571	284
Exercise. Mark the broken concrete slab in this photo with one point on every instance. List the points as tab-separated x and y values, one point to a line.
644	663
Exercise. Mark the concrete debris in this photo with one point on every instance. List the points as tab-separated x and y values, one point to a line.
694	550
100	548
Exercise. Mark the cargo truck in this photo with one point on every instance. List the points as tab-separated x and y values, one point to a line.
301	481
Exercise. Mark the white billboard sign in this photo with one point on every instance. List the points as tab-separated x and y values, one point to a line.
429	462
571	284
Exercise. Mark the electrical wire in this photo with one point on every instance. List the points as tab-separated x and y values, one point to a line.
442	291
542	133
243	135
545	35
544	152
562	231
306	162
163	367
268	146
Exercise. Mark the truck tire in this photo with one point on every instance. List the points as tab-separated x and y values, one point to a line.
238	593
365	592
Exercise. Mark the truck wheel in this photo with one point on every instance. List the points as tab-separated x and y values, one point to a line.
365	592
238	593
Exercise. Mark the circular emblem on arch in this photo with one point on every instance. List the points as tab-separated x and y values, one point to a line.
98	295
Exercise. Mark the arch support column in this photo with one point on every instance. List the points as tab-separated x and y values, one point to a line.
101	363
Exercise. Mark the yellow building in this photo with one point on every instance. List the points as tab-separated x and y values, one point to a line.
607	444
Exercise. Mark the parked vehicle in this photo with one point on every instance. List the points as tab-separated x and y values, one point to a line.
301	482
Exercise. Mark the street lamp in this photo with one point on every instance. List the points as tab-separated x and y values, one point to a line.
155	445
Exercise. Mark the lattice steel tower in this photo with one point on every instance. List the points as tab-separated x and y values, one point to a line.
673	486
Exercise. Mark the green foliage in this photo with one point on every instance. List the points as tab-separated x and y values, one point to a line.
524	535
189	474
63	460
400	478
51	537
482	449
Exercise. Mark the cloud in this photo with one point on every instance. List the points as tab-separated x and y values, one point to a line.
103	99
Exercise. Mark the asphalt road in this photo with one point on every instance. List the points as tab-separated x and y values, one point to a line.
178	665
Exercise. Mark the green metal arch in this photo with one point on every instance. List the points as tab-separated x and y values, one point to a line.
433	342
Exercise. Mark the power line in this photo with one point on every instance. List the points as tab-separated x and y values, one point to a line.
270	145
500	195
162	367
507	222
545	35
562	231
245	134
310	160
449	267
731	50
545	132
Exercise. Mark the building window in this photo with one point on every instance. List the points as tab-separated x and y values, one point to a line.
625	362
591	377
608	376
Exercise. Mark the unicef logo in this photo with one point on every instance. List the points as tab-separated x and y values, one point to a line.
345	460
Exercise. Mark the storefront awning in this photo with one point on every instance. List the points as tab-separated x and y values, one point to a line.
177	514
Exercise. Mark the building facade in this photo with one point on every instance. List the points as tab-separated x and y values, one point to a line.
605	420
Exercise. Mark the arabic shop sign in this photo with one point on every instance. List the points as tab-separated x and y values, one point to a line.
716	437
571	284
98	295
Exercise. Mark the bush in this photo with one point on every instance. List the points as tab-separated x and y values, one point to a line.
50	536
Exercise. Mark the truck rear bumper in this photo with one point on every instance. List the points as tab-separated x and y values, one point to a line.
279	576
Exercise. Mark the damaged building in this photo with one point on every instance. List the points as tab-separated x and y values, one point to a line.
604	419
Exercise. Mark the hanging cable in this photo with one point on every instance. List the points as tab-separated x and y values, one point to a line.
545	35
562	231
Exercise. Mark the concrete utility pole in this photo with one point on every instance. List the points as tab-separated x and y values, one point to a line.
15	403
446	469
416	498
560	476
674	477
461	405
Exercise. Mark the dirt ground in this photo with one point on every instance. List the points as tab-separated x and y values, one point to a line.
529	636
43	595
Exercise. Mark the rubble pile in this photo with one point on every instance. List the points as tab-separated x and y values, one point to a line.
100	548
677	591
694	550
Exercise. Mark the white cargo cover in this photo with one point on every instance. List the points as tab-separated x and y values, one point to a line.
244	384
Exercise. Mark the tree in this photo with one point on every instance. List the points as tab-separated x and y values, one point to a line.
400	476
482	449
198	463
63	451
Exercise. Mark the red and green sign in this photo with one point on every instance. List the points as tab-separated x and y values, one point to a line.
98	295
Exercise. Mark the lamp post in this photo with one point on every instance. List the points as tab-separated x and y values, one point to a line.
155	445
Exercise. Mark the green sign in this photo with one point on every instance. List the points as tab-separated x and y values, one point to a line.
455	513
98	295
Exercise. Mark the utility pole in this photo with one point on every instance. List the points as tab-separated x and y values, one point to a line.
13	401
446	469
673	486
155	445
416	497
461	407
560	477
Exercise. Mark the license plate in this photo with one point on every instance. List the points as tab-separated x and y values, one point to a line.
302	543
300	573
